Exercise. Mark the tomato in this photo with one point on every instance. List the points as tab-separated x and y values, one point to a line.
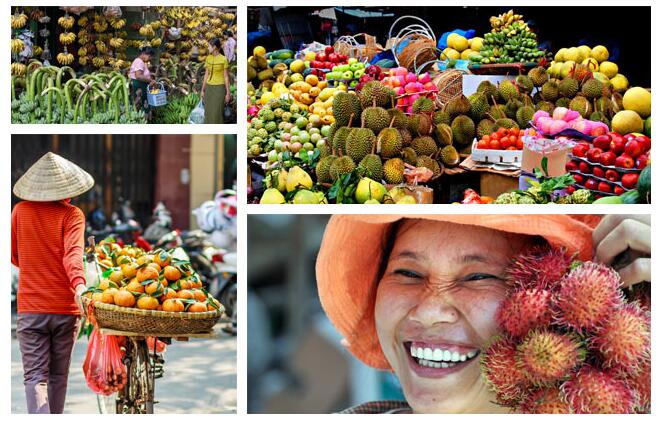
501	131
519	144
494	144
513	131
482	144
505	142
512	148
486	138
495	136
513	139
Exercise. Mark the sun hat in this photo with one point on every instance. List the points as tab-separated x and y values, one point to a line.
350	257
52	178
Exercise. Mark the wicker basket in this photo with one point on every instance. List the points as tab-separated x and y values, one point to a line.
152	322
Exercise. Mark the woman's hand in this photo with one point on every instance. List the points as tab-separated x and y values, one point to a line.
616	234
80	289
228	98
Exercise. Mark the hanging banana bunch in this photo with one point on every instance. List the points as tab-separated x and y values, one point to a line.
98	61
504	20
67	38
117	23
147	31
17	45
83	37
66	21
100	24
116	42
18	69
83	21
65	58
18	20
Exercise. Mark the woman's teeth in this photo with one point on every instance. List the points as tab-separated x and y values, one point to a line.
440	357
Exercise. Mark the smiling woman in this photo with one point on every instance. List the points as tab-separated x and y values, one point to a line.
423	299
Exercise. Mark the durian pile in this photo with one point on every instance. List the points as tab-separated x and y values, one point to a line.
509	41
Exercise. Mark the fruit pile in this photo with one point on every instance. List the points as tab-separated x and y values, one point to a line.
409	87
155	280
571	342
595	59
562	119
328	60
611	164
509	41
459	47
505	139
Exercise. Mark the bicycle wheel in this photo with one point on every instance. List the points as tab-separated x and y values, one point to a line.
137	396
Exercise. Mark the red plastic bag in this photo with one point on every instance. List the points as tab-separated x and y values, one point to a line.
104	369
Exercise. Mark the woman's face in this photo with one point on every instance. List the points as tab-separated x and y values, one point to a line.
435	311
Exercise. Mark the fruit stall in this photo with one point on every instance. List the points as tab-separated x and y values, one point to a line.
70	64
490	114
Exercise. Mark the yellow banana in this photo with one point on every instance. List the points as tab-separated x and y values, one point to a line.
17	45
18	20
65	58
18	69
66	21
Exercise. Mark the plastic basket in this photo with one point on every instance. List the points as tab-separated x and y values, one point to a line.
159	99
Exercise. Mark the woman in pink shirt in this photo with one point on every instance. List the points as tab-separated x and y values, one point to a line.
140	78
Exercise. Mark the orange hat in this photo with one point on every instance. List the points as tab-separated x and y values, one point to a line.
351	252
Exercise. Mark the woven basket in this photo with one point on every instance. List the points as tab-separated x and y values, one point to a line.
152	322
450	85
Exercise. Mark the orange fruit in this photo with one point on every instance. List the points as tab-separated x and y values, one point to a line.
154	266
129	270
185	294
173	305
121	260
168	293
215	301
147	302
106	263
135	287
98	297
116	276
172	273
147	273
198	295
144	259
107	297
163	259
124	298
185	284
198	307
152	288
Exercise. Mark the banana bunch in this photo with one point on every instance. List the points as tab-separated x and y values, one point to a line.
193	24
216	22
117	23
67	38
231	16
170	45
17	45
505	19
209	35
18	69
65	58
18	20
82	60
156	42
155	25
83	21
98	61
119	64
101	47
36	51
100	24
116	42
218	31
82	51
147	31
66	21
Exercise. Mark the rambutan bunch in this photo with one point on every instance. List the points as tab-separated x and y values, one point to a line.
572	342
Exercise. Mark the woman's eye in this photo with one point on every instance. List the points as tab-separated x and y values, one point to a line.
407	273
480	276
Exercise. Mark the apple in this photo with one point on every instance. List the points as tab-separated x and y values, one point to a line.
605	187
579	179
598	172
645	141
355	67
633	148
571	166
570	189
629	137
642	161
618	144
593	154
591	184
580	150
618	190
629	180
612	175
624	161
352	60
347	75
602	142
607	158
359	73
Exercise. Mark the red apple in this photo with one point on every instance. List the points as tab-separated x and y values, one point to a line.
629	136
645	141
612	175
329	50
591	184
321	57
605	187
633	148
599	172
571	166
593	154
607	158
602	142
580	150
579	179
618	190
629	180
618	144
584	167
642	161
624	161
571	189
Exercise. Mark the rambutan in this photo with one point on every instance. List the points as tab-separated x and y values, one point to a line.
640	383
587	295
545	400
593	391
547	356
539	267
500	372
624	338
524	310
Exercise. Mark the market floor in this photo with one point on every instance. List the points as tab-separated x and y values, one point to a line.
200	377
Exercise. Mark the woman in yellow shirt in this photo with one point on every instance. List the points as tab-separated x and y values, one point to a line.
214	90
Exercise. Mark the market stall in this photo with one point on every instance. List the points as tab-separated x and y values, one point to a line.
71	64
457	117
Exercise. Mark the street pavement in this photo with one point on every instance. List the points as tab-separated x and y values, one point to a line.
200	377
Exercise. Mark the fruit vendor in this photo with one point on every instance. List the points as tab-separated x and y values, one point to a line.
141	78
214	89
421	297
47	237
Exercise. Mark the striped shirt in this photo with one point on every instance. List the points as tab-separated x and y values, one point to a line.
47	240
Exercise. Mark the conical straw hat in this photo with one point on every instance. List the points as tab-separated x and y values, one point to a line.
52	178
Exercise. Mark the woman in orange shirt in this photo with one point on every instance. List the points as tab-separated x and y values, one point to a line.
47	240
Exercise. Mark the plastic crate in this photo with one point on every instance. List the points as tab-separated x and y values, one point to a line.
495	155
159	99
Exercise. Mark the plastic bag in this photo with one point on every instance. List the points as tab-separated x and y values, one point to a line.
197	114
104	369
112	12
